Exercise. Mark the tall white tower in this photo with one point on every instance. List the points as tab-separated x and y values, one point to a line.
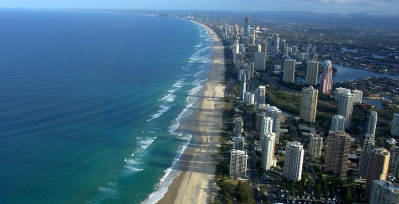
372	124
337	123
308	104
293	161
267	144
275	114
345	107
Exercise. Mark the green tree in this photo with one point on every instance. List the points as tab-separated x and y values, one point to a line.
348	196
317	191
292	189
332	192
300	190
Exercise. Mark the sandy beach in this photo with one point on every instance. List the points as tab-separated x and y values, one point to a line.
194	184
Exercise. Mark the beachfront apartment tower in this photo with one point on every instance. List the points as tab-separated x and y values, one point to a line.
243	88
368	146
358	96
275	114
289	70
266	125
345	107
378	167
395	125
238	124
238	164
261	94
337	92
312	73
337	123
267	145
260	60
293	161
372	124
247	27
384	192
308	104
338	148
326	79
315	145
239	143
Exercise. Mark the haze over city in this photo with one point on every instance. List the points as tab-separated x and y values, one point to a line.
374	7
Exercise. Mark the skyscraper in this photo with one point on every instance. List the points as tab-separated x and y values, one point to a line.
238	163
372	124
326	79
395	125
338	91
239	143
378	167
315	146
364	162
293	161
243	86
384	192
394	154
308	104
261	95
338	148
247	27
267	145
337	123
312	73
238	123
289	70
358	96
275	114
260	60
266	125
345	107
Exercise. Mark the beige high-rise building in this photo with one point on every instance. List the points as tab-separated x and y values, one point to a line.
312	73
293	161
238	163
368	146
315	146
289	70
384	192
308	104
338	148
378	167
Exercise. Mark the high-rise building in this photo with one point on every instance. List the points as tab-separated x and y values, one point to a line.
337	123
239	143
308	104
395	125
312	73
293	161
315	146
238	163
247	27
243	86
276	42
261	95
394	154
364	162
372	124
345	107
267	145
384	192
378	167
249	98
338	91
260	60
275	114
266	125
358	96
289	70
264	47
315	57
396	167
326	79
238	123
338	148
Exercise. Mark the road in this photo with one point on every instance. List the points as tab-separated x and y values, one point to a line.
253	174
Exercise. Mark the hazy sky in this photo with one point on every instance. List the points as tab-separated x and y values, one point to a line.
320	6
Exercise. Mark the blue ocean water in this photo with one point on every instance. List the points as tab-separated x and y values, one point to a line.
91	102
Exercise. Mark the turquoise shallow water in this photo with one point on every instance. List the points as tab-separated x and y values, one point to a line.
91	103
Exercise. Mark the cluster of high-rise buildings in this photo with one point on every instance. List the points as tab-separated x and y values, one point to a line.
374	161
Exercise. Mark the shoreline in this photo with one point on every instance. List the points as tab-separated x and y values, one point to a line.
194	184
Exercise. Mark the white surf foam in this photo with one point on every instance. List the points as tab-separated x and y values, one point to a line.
163	110
145	143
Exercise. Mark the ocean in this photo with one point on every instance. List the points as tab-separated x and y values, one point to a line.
91	102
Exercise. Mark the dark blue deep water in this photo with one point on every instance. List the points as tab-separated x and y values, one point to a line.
90	104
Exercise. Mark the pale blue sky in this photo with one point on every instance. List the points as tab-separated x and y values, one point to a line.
320	6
